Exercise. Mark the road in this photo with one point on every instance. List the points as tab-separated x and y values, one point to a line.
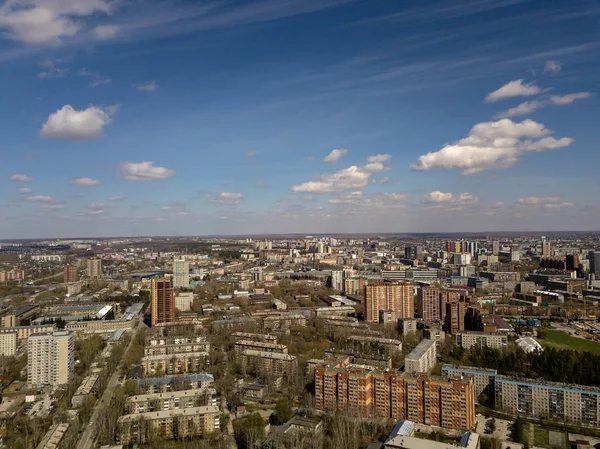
86	440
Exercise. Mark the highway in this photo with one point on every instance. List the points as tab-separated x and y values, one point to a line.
86	440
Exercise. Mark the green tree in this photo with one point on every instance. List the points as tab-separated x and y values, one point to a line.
283	412
249	430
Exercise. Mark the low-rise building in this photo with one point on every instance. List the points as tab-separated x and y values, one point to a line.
254	336
387	345
99	326
85	389
242	345
23	332
54	436
173	400
469	339
175	383
268	362
189	362
174	345
422	359
8	343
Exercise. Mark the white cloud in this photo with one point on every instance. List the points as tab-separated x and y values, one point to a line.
449	199
106	31
354	177
40	198
383	201
144	171
530	106
552	67
227	198
21	178
544	202
378	158
57	206
514	89
25	190
47	22
149	86
116	198
492	145
85	182
71	124
335	155
95	212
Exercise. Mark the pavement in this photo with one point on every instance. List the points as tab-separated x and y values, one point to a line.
86	440
503	431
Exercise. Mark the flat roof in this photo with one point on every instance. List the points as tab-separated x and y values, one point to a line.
176	356
167	395
192	411
268	355
421	349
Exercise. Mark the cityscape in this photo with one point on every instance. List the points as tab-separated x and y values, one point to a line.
289	224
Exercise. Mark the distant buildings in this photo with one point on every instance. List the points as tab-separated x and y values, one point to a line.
94	268
265	362
470	339
398	298
184	301
13	275
162	301
181	273
70	274
8	344
50	358
422	359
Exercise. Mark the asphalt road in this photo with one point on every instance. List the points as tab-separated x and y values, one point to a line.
86	440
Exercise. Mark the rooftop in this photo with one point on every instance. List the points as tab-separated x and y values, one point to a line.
164	414
420	350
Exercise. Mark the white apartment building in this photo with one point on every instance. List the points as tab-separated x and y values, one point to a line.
50	358
469	339
422	359
184	300
8	344
181	273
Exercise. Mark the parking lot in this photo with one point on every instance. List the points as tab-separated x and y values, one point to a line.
502	431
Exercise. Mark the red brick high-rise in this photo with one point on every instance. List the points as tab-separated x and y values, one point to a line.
162	301
428	303
70	274
396	297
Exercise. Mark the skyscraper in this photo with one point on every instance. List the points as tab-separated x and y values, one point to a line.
162	301
594	257
428	303
70	274
396	297
181	273
337	280
495	247
546	250
94	268
455	316
50	358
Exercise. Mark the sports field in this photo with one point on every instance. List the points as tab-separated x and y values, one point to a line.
562	340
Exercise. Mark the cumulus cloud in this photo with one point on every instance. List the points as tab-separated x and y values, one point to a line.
144	171
25	190
149	86
46	22
227	198
530	106
552	67
85	182
116	198
335	155
514	88
439	198
492	145
379	158
40	198
353	177
21	178
104	32
71	124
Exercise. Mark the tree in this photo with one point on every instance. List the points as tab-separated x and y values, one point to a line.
282	414
248	430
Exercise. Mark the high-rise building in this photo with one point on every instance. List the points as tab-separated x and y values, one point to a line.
495	247
455	316
181	273
428	303
396	297
94	268
8	343
162	301
594	257
445	297
337	280
546	249
413	252
572	262
50	358
437	401
70	274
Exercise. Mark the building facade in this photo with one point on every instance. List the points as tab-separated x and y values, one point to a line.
162	301
50	358
268	362
181	273
179	363
422	359
395	297
174	400
428	303
70	274
8	344
470	339
455	316
94	268
483	379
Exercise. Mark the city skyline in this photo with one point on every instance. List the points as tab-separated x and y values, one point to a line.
315	117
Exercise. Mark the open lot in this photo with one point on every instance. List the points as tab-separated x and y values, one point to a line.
562	340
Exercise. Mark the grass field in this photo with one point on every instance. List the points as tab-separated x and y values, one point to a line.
561	340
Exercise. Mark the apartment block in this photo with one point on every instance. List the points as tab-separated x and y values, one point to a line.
407	326
162	301
268	362
576	404
242	345
181	273
23	332
484	379
8	344
422	359
53	438
422	398
184	301
173	400
50	358
177	382
94	268
470	339
70	274
168	424
428	303
179	363
396	297
455	316
253	336
364	343
175	345
99	326
283	321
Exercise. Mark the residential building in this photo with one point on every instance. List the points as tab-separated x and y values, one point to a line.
484	379
253	336
168	424
94	268
396	297
455	316
273	363
50	358
184	301
407	326
469	339
546	249
428	303
175	383
402	437
162	301
561	402
70	274
363	343
422	359
8	343
594	258
175	345
446	297
173	400
53	438
179	363
85	389
242	345
337	280
99	326
24	332
181	273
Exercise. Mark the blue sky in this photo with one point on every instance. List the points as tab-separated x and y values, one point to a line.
139	117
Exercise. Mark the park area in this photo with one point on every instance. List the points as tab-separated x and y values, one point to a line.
561	340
